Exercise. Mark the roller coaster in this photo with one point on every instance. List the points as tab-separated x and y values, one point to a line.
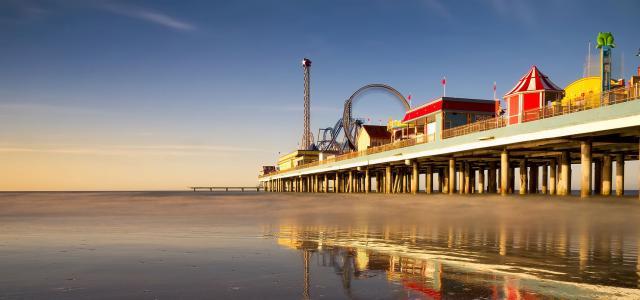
328	138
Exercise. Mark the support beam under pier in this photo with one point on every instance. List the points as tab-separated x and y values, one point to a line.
585	161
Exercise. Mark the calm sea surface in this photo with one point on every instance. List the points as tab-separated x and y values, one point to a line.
173	245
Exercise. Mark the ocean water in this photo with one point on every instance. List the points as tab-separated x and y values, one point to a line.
185	245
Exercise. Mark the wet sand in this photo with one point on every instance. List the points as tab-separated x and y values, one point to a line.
167	245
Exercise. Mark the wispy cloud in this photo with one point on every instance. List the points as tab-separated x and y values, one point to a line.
148	15
438	8
518	9
17	11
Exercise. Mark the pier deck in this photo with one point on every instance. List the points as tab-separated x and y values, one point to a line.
224	188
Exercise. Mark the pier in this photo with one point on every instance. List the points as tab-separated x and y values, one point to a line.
457	145
484	156
225	188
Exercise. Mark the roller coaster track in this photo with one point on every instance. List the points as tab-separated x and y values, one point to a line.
347	119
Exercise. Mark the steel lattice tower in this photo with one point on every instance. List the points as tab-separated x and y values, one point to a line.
307	137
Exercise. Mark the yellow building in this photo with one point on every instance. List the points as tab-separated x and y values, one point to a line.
296	158
584	91
372	136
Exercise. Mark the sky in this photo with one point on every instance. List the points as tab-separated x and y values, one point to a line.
131	95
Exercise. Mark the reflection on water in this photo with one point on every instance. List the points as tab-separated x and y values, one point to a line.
435	262
290	246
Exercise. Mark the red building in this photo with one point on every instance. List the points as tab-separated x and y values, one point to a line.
431	118
533	92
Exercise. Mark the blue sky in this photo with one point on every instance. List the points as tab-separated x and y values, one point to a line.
204	86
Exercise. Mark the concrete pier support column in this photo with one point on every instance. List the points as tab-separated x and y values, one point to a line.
461	178
491	184
533	178
387	180
481	185
523	177
336	183
467	178
314	179
597	176
325	187
552	177
512	180
472	180
445	180
564	185
414	177
452	176
605	189
619	174
428	185
504	172
350	187
367	181
585	161
545	178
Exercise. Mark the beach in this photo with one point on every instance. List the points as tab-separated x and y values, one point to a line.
159	245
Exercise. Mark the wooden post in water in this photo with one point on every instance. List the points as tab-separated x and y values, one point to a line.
564	188
499	181
481	180
523	176
461	178
585	161
325	184
414	177
491	184
367	181
466	169
504	172
533	178
597	176
605	190
387	180
472	180
545	178
428	185
445	180
619	174
512	180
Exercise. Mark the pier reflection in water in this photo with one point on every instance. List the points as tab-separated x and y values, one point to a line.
480	262
289	246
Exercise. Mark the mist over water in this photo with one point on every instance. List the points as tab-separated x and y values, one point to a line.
148	245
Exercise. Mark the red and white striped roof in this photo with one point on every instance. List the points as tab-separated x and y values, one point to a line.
534	80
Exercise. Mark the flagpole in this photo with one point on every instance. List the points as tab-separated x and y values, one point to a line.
444	86
494	90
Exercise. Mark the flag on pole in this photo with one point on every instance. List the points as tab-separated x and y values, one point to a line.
494	90
409	98
444	86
